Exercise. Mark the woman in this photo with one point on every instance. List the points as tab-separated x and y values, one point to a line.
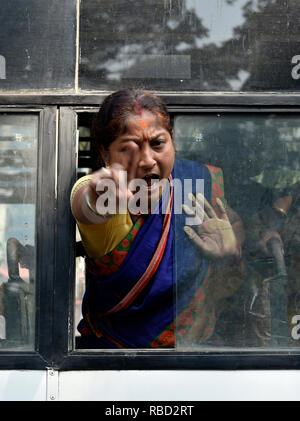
131	277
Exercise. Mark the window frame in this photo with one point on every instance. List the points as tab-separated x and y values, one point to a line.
161	359
45	218
55	315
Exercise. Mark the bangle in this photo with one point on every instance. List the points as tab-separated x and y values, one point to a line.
88	203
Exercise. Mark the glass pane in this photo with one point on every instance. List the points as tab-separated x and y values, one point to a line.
37	44
253	160
18	174
79	282
229	45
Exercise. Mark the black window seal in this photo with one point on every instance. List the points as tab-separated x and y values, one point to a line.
177	99
41	356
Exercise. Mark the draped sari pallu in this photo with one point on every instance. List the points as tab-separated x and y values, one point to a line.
155	295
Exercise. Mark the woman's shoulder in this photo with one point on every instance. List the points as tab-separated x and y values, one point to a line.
79	183
190	169
100	239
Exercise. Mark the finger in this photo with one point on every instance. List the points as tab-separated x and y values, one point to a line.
188	210
134	160
116	166
98	176
118	175
191	213
208	208
106	176
222	210
103	173
194	237
198	207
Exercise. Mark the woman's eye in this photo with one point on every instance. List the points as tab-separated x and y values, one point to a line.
125	149
129	146
157	143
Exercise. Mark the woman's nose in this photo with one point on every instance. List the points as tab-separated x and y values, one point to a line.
147	160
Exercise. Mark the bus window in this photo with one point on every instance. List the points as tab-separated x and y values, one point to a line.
18	170
251	160
30	32
254	165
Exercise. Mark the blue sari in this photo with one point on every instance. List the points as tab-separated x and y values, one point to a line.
171	299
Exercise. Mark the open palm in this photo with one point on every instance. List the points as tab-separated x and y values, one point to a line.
213	234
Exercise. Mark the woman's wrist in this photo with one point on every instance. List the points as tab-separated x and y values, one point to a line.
236	257
233	259
90	207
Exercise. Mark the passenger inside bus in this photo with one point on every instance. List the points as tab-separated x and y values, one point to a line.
152	280
275	235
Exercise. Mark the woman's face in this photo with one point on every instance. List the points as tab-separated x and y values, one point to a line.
145	150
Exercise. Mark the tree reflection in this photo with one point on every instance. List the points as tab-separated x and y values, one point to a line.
264	44
116	29
38	43
116	36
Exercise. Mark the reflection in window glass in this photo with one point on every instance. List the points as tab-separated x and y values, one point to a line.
18	171
232	45
252	165
80	280
37	44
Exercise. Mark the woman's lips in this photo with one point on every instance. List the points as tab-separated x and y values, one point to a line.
152	182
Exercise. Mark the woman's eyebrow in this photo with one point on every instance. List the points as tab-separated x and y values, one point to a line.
128	138
159	133
156	136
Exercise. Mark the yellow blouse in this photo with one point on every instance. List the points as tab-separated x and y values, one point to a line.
100	239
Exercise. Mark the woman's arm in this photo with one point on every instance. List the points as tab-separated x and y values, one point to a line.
84	206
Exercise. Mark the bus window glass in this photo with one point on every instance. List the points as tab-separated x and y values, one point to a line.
18	172
37	44
220	45
251	164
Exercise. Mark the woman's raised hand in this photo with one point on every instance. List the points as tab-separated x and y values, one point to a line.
107	193
213	234
109	189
